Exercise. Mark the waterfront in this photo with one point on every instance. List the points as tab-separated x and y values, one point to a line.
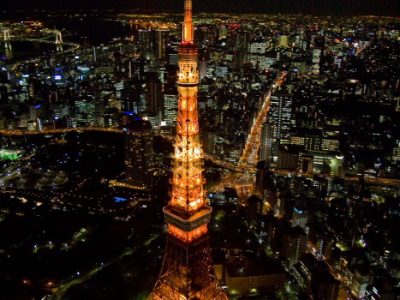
87	31
21	50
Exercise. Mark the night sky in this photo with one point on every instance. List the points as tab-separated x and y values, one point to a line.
343	7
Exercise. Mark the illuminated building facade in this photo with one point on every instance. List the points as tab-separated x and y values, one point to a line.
266	142
280	115
170	107
161	43
187	271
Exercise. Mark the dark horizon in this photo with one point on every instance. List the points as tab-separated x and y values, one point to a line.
317	7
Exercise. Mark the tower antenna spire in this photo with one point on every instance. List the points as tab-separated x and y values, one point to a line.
187	28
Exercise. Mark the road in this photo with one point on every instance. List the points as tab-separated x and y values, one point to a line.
251	150
243	180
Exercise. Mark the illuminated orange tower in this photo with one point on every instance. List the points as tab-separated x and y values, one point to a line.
187	271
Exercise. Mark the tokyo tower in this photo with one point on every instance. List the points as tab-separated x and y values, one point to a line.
187	272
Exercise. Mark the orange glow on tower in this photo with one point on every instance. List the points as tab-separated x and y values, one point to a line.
187	28
187	205
187	271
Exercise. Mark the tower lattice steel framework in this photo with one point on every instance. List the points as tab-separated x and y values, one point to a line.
187	271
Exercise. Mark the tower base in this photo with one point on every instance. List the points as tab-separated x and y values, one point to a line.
187	273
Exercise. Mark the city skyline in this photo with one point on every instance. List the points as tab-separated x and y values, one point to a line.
150	154
324	7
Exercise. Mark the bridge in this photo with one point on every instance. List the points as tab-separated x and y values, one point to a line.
50	36
7	38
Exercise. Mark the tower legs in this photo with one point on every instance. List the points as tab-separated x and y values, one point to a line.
187	273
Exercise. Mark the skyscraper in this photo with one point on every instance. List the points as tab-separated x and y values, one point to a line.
154	95
187	271
138	150
280	115
266	142
294	245
280	118
161	44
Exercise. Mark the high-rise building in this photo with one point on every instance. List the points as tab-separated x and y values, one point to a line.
280	115
170	107
288	157
316	59
202	68
294	245
187	271
314	277
130	97
145	42
222	32
161	44
138	150
241	47
284	41
362	277
266	143
136	69
85	111
153	94
279	119
396	152
299	217
258	47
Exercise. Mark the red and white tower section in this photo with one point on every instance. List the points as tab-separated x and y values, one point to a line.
187	271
